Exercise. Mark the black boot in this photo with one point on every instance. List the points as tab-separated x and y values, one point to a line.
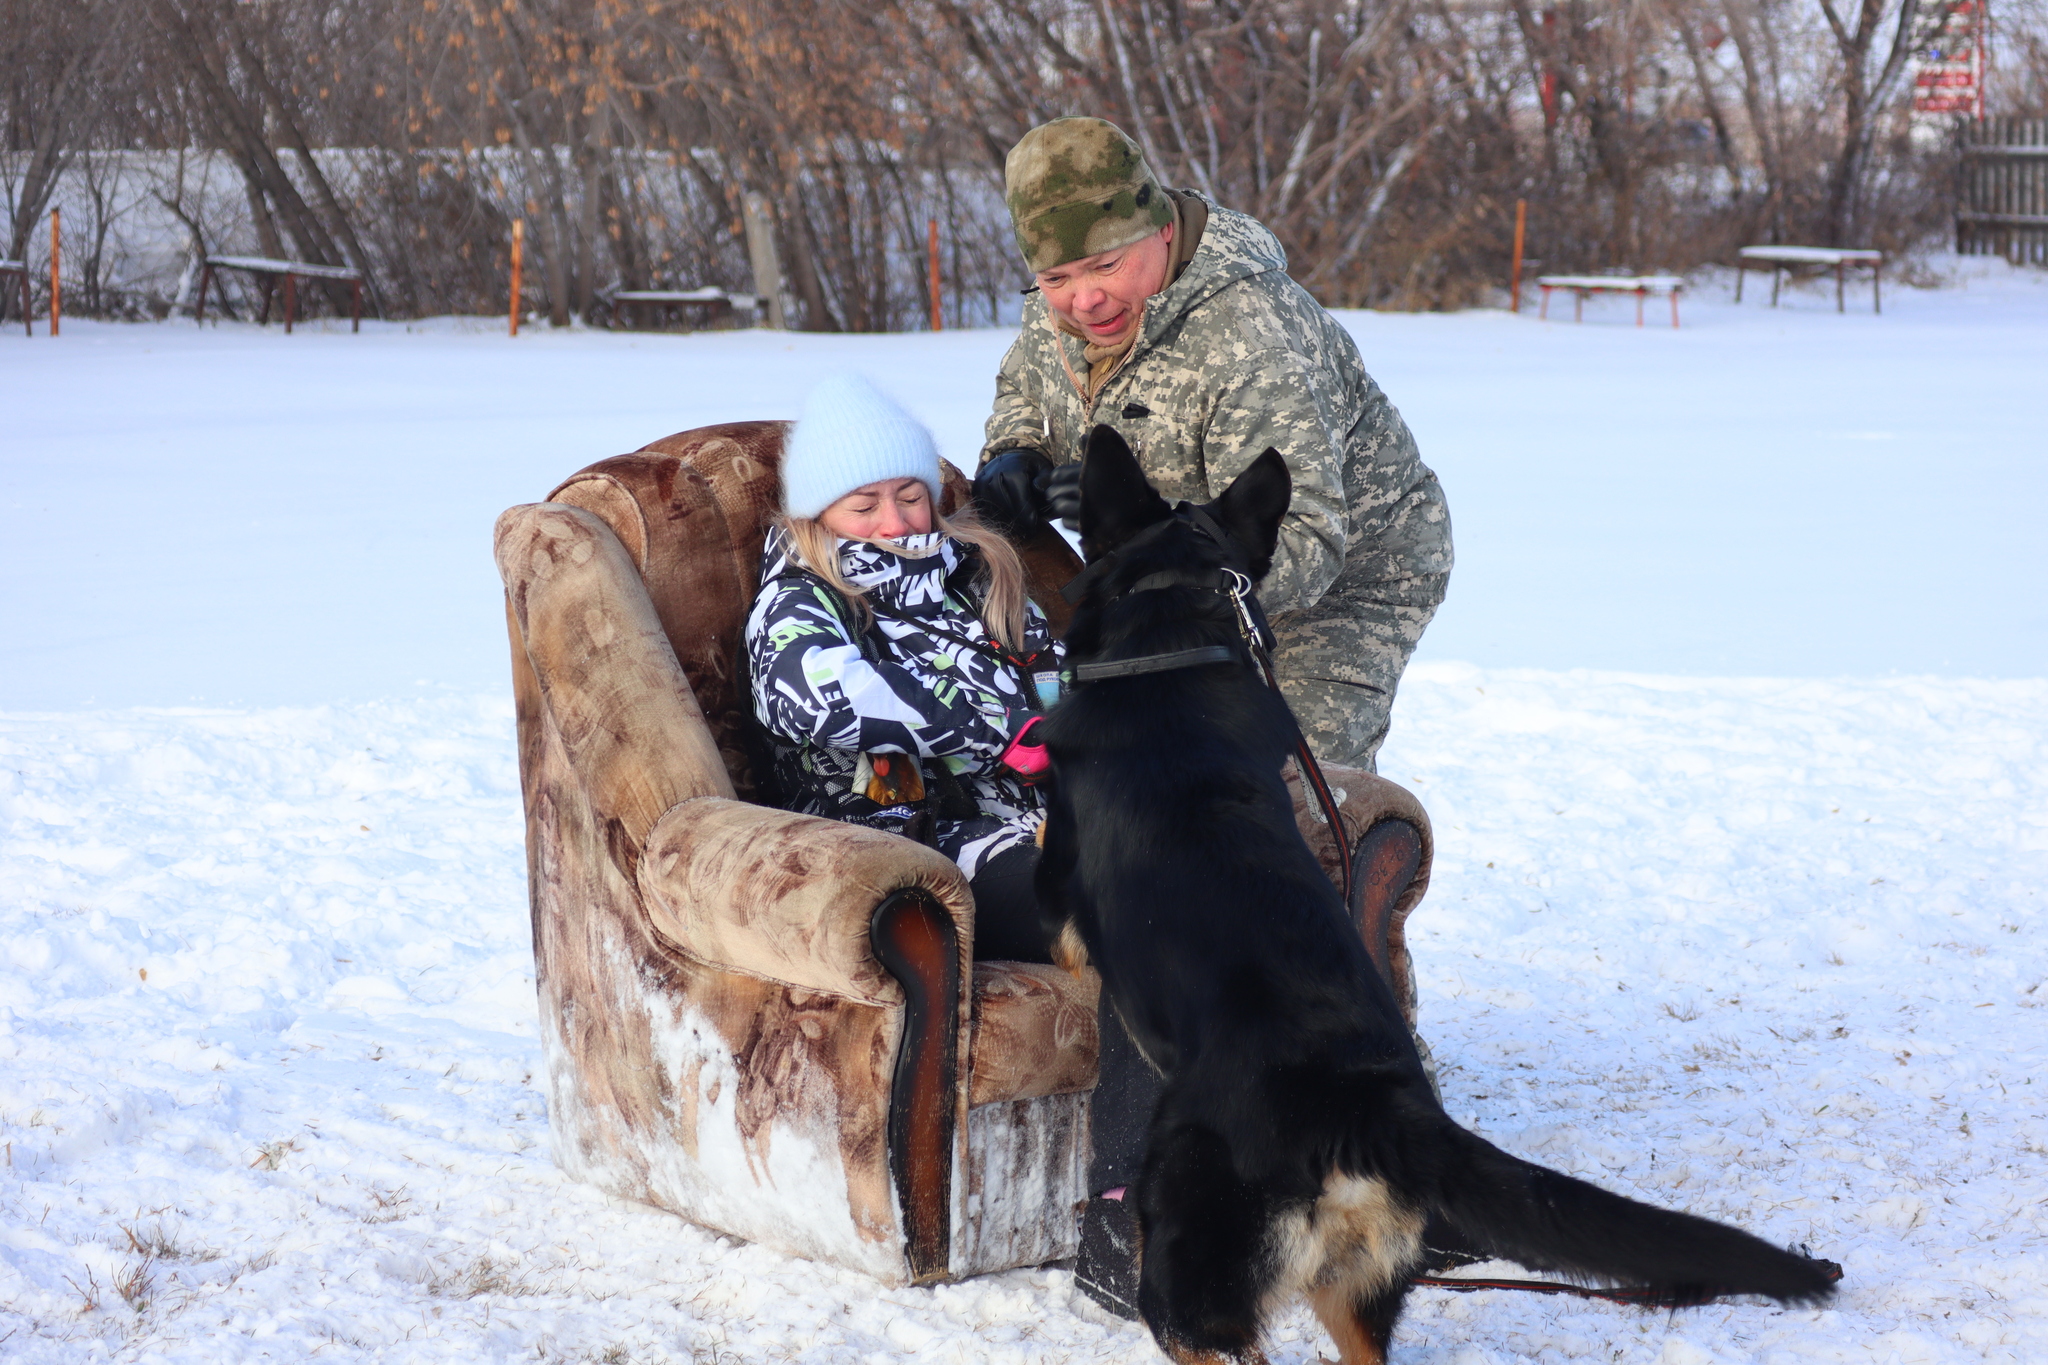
1107	1268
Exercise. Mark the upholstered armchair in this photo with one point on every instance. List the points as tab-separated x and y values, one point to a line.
770	1023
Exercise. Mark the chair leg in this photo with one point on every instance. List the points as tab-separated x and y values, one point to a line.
913	938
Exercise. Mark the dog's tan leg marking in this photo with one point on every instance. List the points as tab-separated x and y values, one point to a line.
1068	950
1357	1234
1355	1346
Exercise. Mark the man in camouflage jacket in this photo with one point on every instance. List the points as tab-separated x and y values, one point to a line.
1228	358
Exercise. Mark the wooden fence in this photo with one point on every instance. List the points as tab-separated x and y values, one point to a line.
2004	208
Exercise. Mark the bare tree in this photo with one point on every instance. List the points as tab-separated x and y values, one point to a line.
1863	93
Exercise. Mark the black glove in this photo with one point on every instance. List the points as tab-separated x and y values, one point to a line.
1009	491
1063	495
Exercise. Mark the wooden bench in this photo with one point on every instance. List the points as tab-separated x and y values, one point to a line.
268	272
1814	259
708	306
18	269
1581	285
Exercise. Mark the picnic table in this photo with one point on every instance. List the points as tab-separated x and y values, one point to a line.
1778	259
18	269
1642	286
268	272
710	305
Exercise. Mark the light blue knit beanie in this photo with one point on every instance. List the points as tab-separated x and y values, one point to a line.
849	436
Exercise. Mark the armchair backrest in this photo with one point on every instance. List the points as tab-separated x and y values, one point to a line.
692	510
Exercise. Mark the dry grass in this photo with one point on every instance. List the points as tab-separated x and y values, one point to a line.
485	1275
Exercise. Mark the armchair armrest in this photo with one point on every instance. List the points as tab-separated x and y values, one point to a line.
789	897
620	701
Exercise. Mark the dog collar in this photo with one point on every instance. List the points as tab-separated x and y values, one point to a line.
1155	663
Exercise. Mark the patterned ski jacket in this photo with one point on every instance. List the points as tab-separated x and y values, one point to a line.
827	691
1232	357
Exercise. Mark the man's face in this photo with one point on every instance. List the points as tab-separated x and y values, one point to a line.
1104	294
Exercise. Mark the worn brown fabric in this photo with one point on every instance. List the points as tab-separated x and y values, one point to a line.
606	669
692	510
1363	800
676	1083
789	897
1034	1031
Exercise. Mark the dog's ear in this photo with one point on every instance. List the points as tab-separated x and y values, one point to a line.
1116	501
1251	508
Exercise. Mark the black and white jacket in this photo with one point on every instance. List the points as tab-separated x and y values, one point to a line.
827	692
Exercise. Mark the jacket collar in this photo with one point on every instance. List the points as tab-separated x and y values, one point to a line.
903	584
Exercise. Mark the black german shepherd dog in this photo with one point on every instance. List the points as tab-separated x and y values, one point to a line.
1297	1149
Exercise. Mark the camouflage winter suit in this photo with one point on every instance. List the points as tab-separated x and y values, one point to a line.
1234	357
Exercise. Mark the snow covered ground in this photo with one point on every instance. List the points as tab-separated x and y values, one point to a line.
1748	921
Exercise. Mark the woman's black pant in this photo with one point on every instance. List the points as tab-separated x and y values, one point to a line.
1007	929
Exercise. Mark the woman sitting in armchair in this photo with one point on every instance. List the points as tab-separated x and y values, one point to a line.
896	660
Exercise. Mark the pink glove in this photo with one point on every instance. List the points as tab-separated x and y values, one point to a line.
1026	758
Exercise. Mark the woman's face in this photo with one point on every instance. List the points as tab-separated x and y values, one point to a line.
888	510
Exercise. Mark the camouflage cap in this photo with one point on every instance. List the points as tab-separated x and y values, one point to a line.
1079	186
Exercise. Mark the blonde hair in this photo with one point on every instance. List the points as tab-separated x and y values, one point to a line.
1002	574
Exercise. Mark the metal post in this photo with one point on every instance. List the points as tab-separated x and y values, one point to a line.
291	298
761	252
1515	275
56	284
518	265
938	299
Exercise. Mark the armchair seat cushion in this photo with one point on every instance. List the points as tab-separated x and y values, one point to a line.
1034	1031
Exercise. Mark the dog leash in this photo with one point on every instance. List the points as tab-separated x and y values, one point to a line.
1311	771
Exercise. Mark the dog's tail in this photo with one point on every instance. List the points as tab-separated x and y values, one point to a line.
1550	1222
